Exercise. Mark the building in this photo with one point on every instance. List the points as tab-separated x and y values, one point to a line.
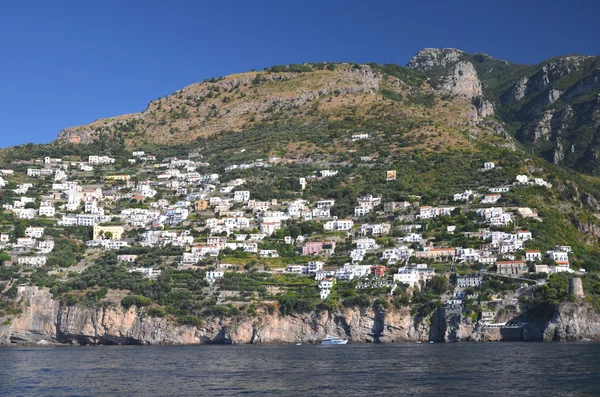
34	232
393	206
120	177
100	160
328	173
524	235
318	248
533	255
314	266
200	205
269	228
437	254
338	225
427	212
127	258
558	256
464	196
511	267
378	271
375	229
215	275
147	272
470	280
362	211
47	210
366	244
108	232
491	198
522	179
241	195
32	261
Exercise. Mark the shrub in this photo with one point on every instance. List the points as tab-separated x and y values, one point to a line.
135	300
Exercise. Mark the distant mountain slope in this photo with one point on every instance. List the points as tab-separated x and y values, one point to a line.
302	92
553	107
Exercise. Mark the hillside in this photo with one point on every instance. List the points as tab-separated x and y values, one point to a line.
552	108
333	92
300	201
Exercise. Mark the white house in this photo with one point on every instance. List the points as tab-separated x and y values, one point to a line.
34	232
491	198
533	255
241	195
147	272
47	210
366	244
464	196
338	225
328	173
524	235
32	261
375	229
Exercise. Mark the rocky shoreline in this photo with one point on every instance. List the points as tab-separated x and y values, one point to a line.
46	321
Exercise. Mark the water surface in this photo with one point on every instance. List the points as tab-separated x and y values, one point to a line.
457	369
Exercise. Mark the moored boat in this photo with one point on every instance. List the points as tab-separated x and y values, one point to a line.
332	340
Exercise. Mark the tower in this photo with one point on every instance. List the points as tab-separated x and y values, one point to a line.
576	287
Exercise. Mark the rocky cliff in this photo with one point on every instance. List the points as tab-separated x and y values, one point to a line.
48	321
572	322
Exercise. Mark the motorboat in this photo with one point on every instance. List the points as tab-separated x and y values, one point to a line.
332	340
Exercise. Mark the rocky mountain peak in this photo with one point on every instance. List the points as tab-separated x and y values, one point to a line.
432	58
462	80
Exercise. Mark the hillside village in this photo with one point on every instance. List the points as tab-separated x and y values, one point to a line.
293	252
319	188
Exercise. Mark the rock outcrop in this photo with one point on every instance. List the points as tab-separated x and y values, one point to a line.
45	320
462	80
433	58
48	321
572	322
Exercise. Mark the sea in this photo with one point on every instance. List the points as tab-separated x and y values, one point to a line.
439	369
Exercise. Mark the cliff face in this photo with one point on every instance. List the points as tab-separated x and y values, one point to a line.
571	322
45	320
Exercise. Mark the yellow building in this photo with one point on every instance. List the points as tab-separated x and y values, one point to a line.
102	231
121	177
201	205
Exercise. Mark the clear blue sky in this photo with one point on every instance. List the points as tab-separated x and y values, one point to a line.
68	63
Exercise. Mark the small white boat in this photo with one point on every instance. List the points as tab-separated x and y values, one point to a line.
419	342
585	340
430	341
332	340
298	344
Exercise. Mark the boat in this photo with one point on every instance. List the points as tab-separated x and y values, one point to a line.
419	342
430	341
298	344
332	340
585	340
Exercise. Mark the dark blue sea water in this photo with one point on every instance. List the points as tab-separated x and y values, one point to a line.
459	369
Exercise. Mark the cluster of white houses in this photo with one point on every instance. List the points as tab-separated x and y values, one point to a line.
235	221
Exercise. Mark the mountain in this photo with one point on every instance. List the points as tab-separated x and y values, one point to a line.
551	108
427	142
326	92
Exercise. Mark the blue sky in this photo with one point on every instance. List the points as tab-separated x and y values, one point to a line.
68	63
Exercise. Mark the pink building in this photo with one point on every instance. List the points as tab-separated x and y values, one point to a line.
318	247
